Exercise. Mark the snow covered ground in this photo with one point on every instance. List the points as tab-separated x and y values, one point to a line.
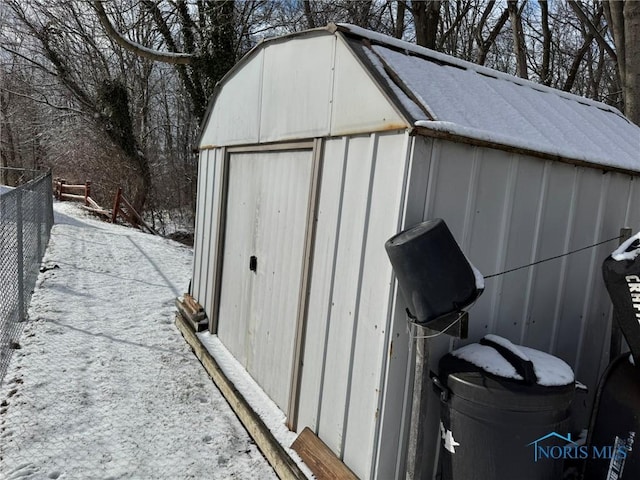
104	386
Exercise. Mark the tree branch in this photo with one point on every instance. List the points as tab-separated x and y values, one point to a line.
44	101
141	50
592	28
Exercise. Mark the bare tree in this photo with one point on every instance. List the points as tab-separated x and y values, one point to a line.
66	44
426	17
519	46
624	20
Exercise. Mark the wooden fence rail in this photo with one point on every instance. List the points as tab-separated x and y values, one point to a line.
121	206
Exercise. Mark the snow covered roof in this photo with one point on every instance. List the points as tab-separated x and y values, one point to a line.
430	93
452	97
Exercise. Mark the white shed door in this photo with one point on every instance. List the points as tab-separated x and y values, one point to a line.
266	217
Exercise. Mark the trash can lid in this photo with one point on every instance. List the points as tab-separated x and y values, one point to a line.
500	357
498	373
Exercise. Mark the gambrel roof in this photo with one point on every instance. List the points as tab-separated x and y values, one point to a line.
432	94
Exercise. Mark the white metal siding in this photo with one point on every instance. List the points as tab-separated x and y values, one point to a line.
266	217
204	261
347	325
398	388
358	105
197	237
508	210
302	88
202	246
236	116
296	92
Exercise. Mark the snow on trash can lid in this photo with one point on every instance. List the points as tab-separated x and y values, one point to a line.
549	371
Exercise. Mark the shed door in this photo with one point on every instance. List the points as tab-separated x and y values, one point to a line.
266	218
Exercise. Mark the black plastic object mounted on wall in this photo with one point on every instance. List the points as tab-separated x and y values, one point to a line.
434	276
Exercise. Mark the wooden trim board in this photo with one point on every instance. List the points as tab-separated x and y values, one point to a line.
324	464
284	466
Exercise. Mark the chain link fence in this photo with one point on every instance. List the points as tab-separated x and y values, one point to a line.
26	218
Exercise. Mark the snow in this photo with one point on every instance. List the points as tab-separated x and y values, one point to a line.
259	401
621	252
551	371
104	385
476	102
477	274
488	359
508	345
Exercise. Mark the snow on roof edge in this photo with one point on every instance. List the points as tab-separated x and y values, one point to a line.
441	57
509	141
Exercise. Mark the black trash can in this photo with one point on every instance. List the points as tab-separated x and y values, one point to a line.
505	412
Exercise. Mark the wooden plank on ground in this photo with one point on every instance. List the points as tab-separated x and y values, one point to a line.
284	466
324	464
71	196
94	204
97	211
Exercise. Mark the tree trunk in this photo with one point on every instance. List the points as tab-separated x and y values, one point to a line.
426	16
308	14
398	30
545	73
631	74
485	45
519	47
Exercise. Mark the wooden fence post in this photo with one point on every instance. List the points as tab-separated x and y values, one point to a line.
87	192
116	205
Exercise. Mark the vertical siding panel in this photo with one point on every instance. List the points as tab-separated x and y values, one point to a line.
531	272
212	247
200	248
208	239
512	163
434	166
599	332
289	69
518	248
544	288
485	226
562	277
324	255
451	184
197	244
361	432
450	176
373	320
396	403
577	265
584	360
344	293
472	200
632	218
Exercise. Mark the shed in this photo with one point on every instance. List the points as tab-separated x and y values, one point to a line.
319	146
